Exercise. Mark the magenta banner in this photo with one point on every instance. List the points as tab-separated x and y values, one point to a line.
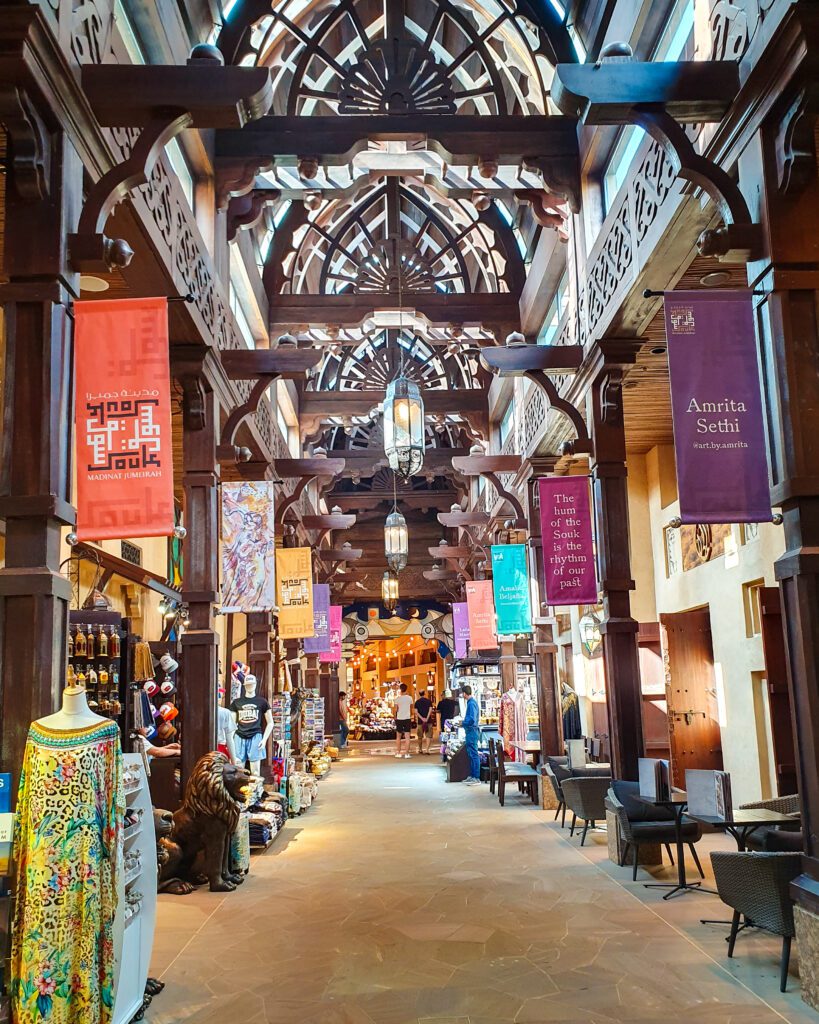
320	641
334	654
716	406
460	627
566	534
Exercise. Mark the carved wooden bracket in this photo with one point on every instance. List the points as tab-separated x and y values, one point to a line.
30	149
245	211
560	176
546	211
489	466
236	178
193	401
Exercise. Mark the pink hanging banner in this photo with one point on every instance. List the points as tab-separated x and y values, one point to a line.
334	654
481	610
566	534
460	628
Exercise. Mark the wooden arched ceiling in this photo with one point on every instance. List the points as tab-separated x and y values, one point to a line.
434	56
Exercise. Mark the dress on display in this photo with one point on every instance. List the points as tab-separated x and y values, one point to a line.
521	723
506	723
68	853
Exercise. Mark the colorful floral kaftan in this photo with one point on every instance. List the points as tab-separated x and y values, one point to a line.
68	854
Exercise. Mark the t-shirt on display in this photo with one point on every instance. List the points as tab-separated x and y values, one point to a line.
250	712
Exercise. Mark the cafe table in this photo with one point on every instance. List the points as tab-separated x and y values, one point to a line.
529	747
676	803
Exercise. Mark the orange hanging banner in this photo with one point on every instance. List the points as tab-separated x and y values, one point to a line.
480	605
123	419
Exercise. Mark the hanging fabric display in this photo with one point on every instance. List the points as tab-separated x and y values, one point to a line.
481	613
248	547
319	642
123	419
510	585
460	627
568	550
716	407
334	653
294	587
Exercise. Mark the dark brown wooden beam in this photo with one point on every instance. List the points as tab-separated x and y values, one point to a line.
439	309
341	554
127	570
291	469
328	522
288	362
475	465
449	551
359	403
517	360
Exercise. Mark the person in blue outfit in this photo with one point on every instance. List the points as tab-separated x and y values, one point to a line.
471	720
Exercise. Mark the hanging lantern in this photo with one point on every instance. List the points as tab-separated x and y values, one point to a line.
404	427
389	590
396	541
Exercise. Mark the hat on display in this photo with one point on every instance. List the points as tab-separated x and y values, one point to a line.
150	732
155	711
166	731
239	670
168	664
151	687
168	711
167	686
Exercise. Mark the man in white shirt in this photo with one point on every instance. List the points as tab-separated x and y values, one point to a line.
403	722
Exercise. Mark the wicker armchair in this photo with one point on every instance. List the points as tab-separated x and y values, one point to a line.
586	799
757	885
784	838
561	800
783	804
641	823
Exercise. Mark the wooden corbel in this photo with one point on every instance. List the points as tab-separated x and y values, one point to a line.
245	211
489	467
305	471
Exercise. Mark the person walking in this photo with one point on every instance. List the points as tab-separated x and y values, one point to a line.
471	720
425	716
403	722
343	726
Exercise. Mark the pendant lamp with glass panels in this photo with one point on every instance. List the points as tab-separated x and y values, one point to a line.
396	541
404	427
389	590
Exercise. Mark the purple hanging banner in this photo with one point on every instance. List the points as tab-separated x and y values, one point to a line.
460	627
716	405
320	641
566	535
334	654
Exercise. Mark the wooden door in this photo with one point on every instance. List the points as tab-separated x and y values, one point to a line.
779	694
693	721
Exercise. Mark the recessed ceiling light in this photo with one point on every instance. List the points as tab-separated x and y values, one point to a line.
89	283
715	278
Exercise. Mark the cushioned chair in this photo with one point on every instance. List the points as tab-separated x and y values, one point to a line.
586	799
757	886
510	771
551	779
493	767
777	838
639	822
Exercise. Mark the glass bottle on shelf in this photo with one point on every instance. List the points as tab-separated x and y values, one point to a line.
102	643
114	675
89	642
79	643
81	678
114	645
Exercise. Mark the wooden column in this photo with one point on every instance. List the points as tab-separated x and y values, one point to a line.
508	665
259	654
788	330
610	495
548	699
35	479
311	672
199	677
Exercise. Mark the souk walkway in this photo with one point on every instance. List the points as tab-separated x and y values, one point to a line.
399	899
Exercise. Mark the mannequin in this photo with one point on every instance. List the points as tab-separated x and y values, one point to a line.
70	813
248	713
74	714
521	721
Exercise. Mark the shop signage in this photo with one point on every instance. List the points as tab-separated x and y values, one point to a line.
123	419
460	628
248	547
716	406
510	584
334	653
566	536
319	642
481	612
294	586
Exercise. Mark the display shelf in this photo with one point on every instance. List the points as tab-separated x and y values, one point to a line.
133	939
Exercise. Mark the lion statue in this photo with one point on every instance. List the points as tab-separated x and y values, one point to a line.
168	856
208	818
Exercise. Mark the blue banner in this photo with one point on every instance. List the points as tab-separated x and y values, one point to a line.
510	583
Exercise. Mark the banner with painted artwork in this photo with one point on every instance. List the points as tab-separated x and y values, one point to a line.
716	407
566	534
481	611
294	588
319	642
248	547
460	628
123	419
510	586
334	653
